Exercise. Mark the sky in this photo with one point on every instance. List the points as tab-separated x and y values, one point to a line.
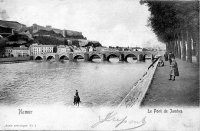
111	22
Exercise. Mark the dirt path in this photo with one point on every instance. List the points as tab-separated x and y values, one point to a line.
184	91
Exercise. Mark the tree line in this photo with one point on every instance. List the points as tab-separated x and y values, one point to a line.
176	23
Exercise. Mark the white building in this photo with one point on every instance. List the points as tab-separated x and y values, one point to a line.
36	49
8	51
83	49
62	49
76	49
136	49
99	49
90	48
17	51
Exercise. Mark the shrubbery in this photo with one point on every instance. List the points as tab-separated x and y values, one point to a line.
48	40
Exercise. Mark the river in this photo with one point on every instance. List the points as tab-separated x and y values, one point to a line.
98	83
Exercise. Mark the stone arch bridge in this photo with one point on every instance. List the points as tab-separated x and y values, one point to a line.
104	55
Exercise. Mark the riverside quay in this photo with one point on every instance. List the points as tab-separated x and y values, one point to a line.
89	56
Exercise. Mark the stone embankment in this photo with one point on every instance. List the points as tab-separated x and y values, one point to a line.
14	59
137	93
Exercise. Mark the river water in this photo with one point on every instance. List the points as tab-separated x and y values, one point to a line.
98	83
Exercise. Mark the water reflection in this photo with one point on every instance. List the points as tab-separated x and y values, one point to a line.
131	59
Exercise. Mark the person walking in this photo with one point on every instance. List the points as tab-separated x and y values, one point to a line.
166	56
160	63
173	69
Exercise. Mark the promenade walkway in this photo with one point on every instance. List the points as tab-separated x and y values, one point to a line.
184	91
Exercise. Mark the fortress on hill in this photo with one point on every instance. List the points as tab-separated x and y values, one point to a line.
65	33
9	27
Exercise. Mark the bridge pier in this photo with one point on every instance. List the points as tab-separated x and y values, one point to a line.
152	57
31	57
121	57
86	57
143	57
71	58
140	57
44	58
103	57
56	57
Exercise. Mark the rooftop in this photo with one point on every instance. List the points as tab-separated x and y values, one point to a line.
36	45
17	48
61	46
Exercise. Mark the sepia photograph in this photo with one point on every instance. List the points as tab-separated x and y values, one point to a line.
99	65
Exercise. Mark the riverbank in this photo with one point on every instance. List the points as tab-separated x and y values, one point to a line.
139	89
14	59
184	91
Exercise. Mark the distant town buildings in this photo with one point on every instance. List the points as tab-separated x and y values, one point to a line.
17	51
47	40
8	51
39	49
135	48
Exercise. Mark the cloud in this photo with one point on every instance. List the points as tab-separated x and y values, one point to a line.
3	14
112	22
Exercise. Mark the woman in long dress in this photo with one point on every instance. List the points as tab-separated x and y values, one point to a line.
173	69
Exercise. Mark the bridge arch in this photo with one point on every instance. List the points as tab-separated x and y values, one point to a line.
112	56
147	56
63	57
50	57
78	56
38	57
94	56
130	55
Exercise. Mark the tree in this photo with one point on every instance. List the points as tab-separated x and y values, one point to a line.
54	49
2	46
48	40
175	23
75	43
